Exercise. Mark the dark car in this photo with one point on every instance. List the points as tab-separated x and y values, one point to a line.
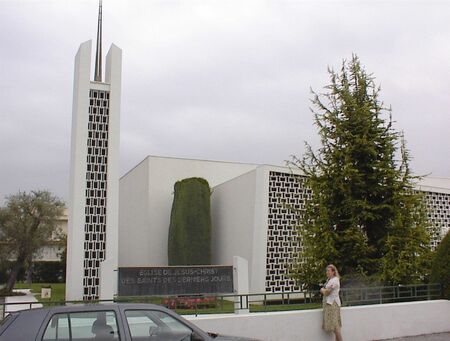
103	322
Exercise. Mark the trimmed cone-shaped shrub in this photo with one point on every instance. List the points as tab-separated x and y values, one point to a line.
440	268
190	223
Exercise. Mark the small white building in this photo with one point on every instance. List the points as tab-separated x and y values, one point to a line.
53	250
250	207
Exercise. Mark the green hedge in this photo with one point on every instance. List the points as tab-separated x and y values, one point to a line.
49	272
190	223
43	272
440	268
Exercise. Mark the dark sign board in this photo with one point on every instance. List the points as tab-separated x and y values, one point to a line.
175	280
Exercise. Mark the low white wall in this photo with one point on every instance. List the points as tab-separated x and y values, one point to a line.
374	322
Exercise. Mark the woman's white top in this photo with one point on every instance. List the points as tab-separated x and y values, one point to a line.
333	285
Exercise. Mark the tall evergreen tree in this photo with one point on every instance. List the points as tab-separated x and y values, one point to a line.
360	182
406	247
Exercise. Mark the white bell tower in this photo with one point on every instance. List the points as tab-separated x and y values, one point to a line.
92	243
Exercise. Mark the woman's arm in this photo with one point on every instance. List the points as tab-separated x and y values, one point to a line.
325	291
329	287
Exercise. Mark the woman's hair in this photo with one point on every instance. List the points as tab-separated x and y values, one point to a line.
334	269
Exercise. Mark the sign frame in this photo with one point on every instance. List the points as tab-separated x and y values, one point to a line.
181	280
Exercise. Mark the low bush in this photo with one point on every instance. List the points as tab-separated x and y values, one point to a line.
190	302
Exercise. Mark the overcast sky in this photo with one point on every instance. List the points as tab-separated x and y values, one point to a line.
222	80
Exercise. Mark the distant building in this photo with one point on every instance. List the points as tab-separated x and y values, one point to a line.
52	251
250	213
437	201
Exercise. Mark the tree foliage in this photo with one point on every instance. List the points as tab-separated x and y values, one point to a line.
27	222
190	223
440	269
406	252
363	209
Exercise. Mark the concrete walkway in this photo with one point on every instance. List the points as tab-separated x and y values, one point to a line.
21	302
430	337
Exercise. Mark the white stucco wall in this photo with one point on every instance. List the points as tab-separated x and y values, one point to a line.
434	184
239	214
78	166
147	227
234	220
364	323
133	214
77	182
240	209
113	77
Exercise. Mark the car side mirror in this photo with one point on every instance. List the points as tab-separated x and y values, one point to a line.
196	337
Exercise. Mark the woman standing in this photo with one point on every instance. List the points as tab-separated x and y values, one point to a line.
332	303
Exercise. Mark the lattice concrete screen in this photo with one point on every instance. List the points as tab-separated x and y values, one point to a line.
438	215
287	191
287	197
96	185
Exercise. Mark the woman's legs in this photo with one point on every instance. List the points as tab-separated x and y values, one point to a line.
338	335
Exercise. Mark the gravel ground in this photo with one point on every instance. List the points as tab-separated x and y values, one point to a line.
430	337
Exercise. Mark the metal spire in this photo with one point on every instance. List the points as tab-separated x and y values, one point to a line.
98	55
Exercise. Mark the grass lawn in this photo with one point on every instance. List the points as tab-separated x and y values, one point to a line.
58	290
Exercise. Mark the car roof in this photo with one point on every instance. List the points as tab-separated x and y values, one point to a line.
92	307
35	318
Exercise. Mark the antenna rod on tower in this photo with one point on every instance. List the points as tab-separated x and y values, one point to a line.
98	55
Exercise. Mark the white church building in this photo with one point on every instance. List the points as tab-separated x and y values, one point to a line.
249	214
124	222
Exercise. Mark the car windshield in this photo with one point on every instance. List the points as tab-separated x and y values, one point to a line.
156	325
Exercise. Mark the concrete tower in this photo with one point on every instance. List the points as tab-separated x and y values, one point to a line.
92	245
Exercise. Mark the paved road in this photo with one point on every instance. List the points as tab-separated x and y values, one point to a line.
21	302
431	337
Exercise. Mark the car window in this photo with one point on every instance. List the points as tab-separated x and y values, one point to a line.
96	325
156	326
57	328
